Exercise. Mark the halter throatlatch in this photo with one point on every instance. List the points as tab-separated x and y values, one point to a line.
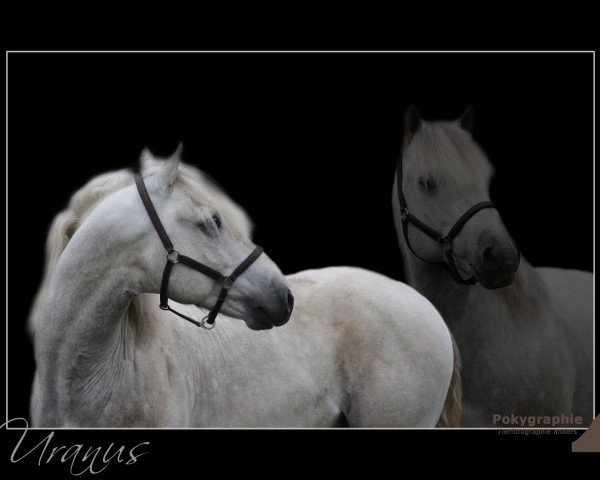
174	257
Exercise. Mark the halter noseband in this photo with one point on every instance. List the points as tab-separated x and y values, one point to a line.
173	257
445	241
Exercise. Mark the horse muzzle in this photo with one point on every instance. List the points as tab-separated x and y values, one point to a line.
273	313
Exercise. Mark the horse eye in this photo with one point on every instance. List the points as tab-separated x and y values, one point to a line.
428	185
211	229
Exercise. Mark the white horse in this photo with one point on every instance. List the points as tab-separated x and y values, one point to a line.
526	348
360	348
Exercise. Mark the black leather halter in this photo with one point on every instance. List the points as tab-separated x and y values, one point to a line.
445	241
173	257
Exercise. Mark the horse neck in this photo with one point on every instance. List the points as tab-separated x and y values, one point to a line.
434	282
91	325
89	291
81	327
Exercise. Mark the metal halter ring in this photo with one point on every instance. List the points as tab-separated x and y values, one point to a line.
203	324
403	214
226	283
172	259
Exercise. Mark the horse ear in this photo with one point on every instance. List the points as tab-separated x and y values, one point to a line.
176	155
412	123
166	174
168	171
146	159
467	119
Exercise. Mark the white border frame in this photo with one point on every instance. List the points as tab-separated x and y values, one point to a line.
593	52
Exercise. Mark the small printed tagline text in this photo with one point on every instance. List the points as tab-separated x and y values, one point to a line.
536	431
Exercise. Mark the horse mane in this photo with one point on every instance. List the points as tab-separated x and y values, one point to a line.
66	223
198	187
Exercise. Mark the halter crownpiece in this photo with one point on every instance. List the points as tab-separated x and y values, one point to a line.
174	257
446	242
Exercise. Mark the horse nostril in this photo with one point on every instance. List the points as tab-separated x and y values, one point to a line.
290	301
496	257
488	257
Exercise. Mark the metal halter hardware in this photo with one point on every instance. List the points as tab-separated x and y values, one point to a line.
174	257
446	242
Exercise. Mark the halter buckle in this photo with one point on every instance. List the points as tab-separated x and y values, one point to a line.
226	283
403	214
446	244
173	257
204	323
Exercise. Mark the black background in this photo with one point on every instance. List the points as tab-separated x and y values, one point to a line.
306	143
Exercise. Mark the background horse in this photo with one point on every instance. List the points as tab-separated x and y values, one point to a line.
524	333
360	348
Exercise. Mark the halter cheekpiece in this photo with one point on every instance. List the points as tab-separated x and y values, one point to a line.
174	257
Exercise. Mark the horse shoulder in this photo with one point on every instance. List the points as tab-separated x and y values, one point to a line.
570	302
570	299
390	345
